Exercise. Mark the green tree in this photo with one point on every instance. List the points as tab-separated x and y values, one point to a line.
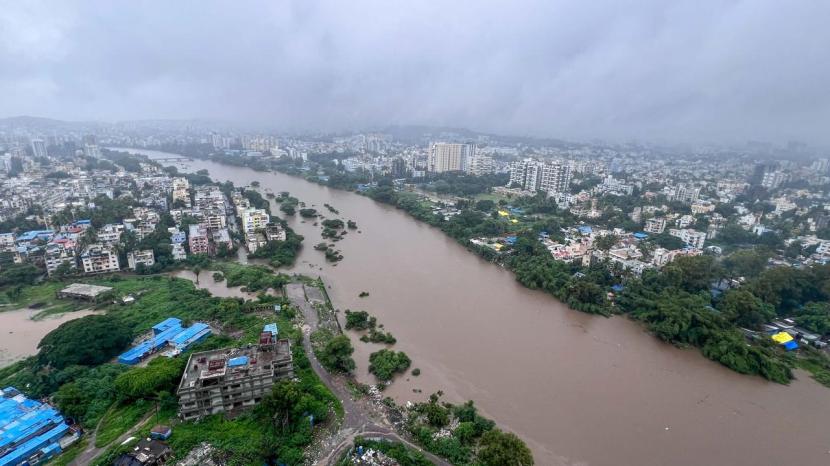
88	341
499	448
745	309
337	354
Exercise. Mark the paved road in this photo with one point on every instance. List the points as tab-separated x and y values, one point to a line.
356	422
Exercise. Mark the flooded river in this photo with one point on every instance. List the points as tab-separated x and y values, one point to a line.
20	333
580	389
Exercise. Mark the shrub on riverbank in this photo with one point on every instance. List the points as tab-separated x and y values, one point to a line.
462	436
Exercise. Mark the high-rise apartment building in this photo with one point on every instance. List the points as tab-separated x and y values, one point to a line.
91	147
548	177
480	165
39	148
446	157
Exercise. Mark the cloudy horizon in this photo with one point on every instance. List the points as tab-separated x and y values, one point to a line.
682	71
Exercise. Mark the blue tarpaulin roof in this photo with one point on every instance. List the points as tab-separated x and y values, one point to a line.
640	235
236	362
272	328
791	345
585	230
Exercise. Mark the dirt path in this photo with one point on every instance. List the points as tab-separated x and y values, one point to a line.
92	452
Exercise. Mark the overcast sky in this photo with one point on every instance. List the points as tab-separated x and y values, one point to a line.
656	70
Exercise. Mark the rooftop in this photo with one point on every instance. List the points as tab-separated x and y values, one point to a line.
84	289
233	363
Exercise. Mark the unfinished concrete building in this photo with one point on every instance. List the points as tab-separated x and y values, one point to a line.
230	380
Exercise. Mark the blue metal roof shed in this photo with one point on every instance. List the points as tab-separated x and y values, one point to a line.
165	324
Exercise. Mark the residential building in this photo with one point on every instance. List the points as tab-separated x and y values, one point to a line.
147	452
59	253
39	148
773	179
655	225
181	191
178	253
275	233
110	233
691	237
254	219
198	240
99	258
447	157
144	257
685	194
232	380
556	178
549	177
177	236
480	165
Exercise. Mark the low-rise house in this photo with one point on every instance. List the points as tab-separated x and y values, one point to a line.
147	452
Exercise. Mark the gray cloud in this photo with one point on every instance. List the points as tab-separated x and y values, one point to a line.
683	70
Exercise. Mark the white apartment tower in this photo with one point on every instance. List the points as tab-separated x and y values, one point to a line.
446	157
39	148
549	177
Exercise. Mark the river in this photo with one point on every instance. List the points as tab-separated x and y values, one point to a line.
20	333
580	389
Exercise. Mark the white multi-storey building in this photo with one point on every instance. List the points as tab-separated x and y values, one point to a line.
181	191
254	219
549	177
691	237
145	256
98	258
446	157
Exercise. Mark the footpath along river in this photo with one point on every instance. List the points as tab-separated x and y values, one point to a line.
580	389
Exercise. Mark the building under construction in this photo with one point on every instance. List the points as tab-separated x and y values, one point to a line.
230	380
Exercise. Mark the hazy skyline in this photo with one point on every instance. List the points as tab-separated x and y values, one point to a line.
654	70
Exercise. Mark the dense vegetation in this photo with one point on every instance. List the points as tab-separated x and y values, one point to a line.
88	341
281	253
384	364
469	438
73	367
333	351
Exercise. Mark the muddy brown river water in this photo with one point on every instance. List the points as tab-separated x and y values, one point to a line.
20	333
580	389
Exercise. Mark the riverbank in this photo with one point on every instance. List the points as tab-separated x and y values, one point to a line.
560	379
